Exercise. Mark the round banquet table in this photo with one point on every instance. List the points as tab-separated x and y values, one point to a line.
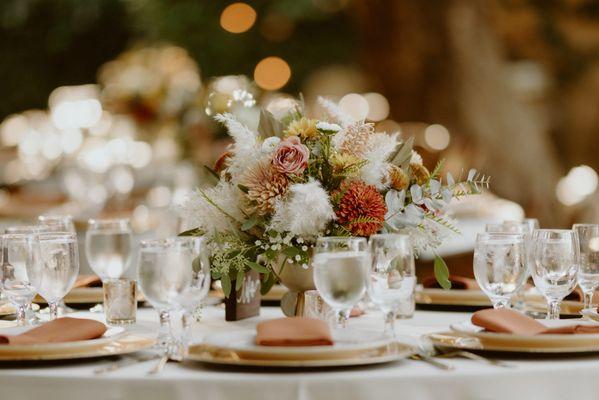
529	377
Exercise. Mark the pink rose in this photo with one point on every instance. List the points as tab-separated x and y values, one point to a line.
291	156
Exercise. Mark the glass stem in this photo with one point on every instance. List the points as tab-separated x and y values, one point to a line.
342	317
554	309
501	303
390	323
588	300
53	310
164	331
21	313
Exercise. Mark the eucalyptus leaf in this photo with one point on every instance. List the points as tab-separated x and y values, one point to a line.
257	267
249	223
291	252
269	126
404	153
213	176
239	279
442	273
191	232
267	283
225	282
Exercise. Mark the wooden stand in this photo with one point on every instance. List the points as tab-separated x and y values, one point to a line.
244	303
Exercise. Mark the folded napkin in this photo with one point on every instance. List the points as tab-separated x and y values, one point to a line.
509	321
457	282
87	281
294	331
60	330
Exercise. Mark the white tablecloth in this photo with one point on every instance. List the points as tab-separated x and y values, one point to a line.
548	378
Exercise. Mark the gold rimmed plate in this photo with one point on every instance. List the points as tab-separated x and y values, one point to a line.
84	295
114	342
387	353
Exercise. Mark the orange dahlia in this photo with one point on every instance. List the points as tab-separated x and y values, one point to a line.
361	208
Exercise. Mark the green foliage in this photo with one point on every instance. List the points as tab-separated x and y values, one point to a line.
442	273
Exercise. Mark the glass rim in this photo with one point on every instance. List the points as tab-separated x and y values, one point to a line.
340	238
93	221
18	235
56	236
554	230
492	236
164	242
35	229
584	225
393	234
44	217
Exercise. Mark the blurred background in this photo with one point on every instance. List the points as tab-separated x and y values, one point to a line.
106	105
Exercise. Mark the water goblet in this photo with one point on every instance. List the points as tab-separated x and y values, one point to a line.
108	247
392	275
58	267
588	274
164	274
556	255
189	301
340	273
18	266
500	265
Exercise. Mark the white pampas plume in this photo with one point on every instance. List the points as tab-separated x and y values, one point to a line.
245	148
212	210
305	211
375	171
343	118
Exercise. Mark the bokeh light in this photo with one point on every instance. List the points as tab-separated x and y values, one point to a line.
378	106
355	105
577	185
272	73
237	18
437	137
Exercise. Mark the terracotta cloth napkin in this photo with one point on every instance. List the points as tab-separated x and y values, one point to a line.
510	321
457	282
294	331
60	330
87	281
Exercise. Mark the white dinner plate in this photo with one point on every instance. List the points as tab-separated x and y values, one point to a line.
243	342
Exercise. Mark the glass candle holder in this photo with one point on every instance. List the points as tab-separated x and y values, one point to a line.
120	301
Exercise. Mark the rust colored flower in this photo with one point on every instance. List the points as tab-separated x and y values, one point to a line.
420	173
291	156
398	179
361	208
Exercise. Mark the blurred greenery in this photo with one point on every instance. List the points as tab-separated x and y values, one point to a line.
48	43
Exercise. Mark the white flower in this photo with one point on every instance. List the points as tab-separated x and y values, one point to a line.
245	147
416	158
325	126
270	144
375	172
305	211
214	209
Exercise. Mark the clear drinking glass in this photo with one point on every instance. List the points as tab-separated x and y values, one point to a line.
58	267
108	247
588	275
57	223
192	297
392	275
500	266
18	267
120	301
341	267
556	255
164	274
532	223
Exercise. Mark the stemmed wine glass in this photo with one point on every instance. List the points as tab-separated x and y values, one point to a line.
588	275
500	265
108	247
392	275
340	273
58	267
556	255
164	274
18	266
192	297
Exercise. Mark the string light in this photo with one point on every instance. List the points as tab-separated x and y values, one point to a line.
378	106
355	105
237	18
437	137
272	73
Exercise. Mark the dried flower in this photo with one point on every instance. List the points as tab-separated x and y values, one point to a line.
398	179
361	209
345	163
420	173
270	144
354	139
305	211
265	186
304	128
221	163
291	156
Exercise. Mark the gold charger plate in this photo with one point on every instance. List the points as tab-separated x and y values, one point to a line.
85	295
102	347
222	356
274	294
7	309
548	344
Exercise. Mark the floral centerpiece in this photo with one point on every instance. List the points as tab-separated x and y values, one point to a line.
277	190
